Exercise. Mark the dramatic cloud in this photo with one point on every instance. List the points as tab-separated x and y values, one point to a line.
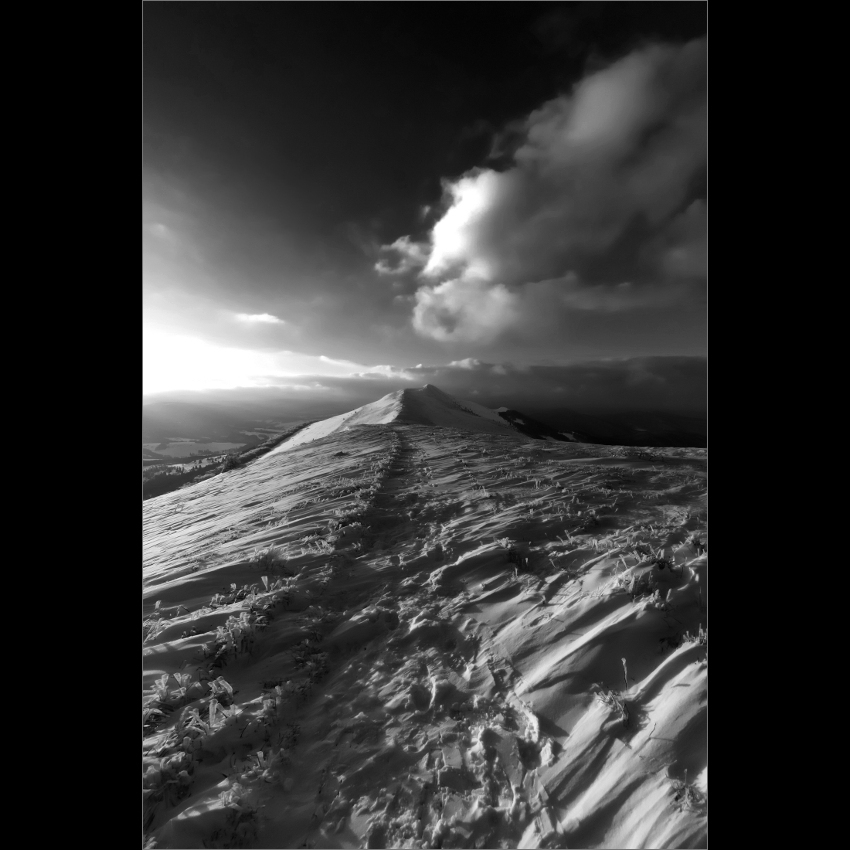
599	211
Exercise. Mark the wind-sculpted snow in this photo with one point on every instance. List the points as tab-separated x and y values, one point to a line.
401	635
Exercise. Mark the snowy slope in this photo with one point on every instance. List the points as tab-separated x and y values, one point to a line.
425	406
460	639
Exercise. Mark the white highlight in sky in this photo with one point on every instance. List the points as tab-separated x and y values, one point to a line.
267	318
177	362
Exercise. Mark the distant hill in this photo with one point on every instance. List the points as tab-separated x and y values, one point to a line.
166	420
169	419
642	428
531	427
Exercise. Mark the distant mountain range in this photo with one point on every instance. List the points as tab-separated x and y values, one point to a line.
641	428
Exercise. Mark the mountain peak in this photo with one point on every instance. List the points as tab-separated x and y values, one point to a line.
427	405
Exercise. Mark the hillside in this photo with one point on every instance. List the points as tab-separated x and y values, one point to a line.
400	634
427	405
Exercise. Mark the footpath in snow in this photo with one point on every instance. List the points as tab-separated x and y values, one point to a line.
401	635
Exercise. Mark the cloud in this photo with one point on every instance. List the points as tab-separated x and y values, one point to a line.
598	210
265	318
469	309
401	256
681	249
455	237
348	368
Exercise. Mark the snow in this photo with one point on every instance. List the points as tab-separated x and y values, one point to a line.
427	406
433	653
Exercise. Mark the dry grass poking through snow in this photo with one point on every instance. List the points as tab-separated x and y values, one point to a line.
408	636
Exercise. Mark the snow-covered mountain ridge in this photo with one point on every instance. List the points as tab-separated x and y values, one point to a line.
427	405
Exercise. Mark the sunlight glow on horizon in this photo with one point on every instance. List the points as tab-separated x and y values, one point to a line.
172	361
176	362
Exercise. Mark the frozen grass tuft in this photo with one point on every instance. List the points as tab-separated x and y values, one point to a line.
687	797
271	561
614	699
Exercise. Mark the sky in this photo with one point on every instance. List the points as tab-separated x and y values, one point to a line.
507	200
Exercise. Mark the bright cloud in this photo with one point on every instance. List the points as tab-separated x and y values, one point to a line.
466	309
596	213
454	236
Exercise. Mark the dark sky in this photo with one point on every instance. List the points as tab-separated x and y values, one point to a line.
342	189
